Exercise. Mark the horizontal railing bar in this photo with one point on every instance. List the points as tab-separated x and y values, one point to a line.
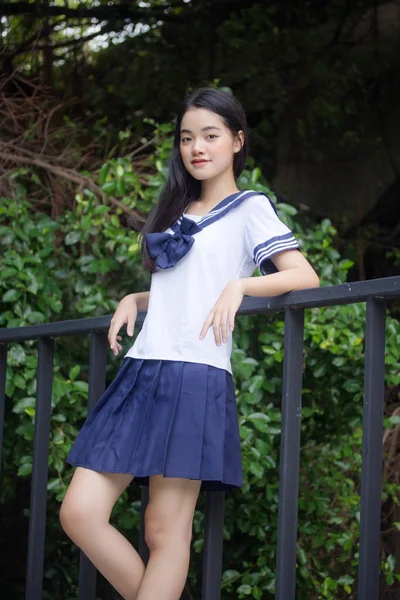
344	293
57	329
330	295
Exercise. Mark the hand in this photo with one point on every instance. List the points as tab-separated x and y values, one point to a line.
126	313
224	311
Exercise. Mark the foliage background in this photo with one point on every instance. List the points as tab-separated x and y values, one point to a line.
85	131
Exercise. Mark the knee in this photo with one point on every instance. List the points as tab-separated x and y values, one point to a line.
163	528
74	516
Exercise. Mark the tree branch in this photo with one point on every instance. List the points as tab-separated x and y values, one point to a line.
119	12
73	42
71	175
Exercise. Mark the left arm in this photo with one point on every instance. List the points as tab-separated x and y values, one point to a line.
294	273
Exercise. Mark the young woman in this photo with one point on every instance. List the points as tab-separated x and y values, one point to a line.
169	418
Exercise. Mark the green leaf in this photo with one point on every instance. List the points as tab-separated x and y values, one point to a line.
345	580
260	421
244	589
81	386
8	272
55	304
320	370
25	469
54	484
391	562
72	238
230	574
19	381
22	404
108	188
26	430
101	209
58	437
261	446
103	173
11	295
256	383
35	317
17	353
302	555
74	372
256	469
255	175
287	209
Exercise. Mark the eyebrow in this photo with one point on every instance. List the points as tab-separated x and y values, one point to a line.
203	129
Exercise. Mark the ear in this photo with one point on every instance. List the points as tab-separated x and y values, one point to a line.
239	141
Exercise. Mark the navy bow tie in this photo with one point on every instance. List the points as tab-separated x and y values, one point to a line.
168	248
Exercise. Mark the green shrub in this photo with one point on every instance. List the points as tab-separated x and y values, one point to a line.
80	265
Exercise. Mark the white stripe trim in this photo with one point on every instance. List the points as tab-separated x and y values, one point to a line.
271	247
213	213
276	248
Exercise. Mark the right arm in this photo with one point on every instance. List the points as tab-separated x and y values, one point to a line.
142	300
126	313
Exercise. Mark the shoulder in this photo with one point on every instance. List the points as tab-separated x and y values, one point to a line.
259	203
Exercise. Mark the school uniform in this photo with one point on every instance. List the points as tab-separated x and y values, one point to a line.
171	409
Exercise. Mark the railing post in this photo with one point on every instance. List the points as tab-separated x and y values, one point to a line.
143	548
289	455
37	517
213	542
97	384
371	473
3	375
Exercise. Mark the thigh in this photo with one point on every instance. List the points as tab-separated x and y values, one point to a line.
173	501
95	493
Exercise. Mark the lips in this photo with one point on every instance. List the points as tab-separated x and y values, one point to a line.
200	161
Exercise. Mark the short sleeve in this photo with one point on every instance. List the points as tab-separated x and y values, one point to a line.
265	234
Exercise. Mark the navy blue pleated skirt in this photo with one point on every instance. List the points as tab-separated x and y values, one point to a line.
165	417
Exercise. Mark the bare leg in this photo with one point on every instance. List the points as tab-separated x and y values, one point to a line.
168	531
85	515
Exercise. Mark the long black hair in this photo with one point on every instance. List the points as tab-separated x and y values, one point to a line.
181	188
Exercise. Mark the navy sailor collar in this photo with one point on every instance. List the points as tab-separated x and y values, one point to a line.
167	248
221	209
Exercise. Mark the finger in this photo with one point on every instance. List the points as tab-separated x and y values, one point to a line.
131	324
216	328
110	330
113	332
119	337
206	326
231	320
224	326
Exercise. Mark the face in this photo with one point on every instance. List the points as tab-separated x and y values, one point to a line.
207	146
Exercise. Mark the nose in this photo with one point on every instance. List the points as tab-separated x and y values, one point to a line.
197	147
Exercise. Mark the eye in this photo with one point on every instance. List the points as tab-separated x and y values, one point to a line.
212	136
185	139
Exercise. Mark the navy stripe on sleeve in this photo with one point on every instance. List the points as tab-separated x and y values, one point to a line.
273	246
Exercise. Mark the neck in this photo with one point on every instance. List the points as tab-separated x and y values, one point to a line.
215	190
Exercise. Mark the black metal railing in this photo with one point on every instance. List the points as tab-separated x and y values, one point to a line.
374	293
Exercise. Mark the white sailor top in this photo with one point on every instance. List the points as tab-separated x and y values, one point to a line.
195	259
